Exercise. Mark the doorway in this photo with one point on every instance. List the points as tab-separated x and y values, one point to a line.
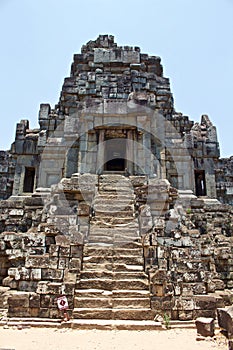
29	179
200	182
115	154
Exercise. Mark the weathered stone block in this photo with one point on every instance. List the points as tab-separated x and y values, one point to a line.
64	252
75	264
83	209
158	290
44	313
10	282
35	274
54	288
42	287
41	261
76	236
194	288
45	301
19	312
54	313
225	319
51	274
69	288
20	273
19	300
53	250
37	261
34	300
76	251
205	326
62	241
63	263
27	286
205	302
16	212
70	277
185	315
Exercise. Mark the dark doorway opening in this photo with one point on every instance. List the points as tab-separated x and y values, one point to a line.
29	179
115	153
5	265
200	183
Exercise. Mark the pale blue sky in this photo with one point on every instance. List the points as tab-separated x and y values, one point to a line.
194	38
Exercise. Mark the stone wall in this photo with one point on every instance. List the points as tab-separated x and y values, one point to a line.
7	171
224	180
119	87
204	148
187	249
120	94
40	267
190	266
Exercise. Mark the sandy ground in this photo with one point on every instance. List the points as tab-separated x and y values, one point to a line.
67	339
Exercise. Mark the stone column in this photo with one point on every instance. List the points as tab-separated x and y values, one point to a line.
129	151
100	154
163	163
82	153
147	153
139	155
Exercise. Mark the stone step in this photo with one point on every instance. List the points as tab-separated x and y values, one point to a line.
119	220
109	284
87	324
116	193
112	240
101	224
129	275
101	213
23	322
115	236
109	199
111	234
115	303
92	293
131	293
114	233
136	243
112	207
116	188
109	230
112	252
131	303
84	302
112	267
95	313
131	260
109	313
112	274
115	180
117	293
116	324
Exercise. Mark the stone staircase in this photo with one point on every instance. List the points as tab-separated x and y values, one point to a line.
113	284
114	211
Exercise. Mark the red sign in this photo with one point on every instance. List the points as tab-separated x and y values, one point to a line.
62	303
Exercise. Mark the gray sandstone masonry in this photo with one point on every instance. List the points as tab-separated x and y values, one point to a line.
7	171
224	179
187	256
108	85
145	232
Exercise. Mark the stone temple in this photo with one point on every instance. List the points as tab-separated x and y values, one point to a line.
116	201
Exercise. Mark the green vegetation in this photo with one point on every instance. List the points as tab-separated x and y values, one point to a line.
167	320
